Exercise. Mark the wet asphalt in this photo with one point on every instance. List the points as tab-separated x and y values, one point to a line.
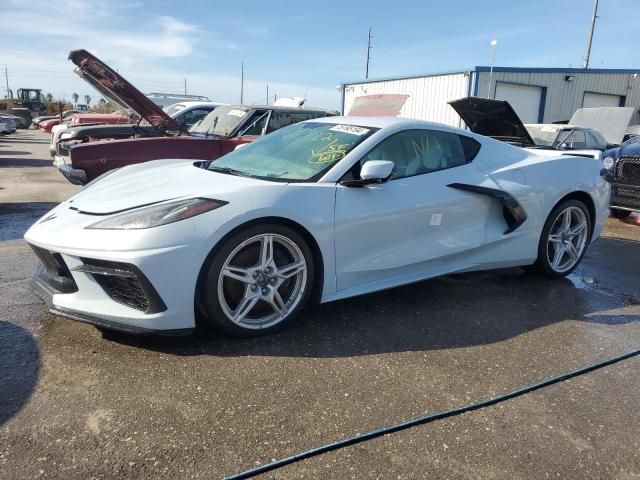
76	403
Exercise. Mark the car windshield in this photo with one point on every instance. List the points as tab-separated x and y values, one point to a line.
632	140
221	121
298	153
544	135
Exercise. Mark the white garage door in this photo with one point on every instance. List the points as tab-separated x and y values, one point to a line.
600	100
524	99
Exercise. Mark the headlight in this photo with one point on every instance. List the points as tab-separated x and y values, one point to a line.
608	162
158	214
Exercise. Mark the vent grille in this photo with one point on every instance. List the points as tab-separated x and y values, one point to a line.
628	170
125	284
56	272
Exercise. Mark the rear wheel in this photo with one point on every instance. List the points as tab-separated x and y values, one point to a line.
258	281
621	214
564	239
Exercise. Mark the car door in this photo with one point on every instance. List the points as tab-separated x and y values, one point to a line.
414	224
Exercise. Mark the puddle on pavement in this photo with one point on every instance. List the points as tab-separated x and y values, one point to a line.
582	281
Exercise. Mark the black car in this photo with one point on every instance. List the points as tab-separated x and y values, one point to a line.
623	164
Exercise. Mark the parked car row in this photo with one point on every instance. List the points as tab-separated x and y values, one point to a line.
195	130
203	130
582	136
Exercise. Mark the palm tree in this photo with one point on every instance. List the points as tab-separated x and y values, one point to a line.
87	99
102	102
75	97
49	98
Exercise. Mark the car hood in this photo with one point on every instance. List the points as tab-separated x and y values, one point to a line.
113	86
492	118
154	182
611	122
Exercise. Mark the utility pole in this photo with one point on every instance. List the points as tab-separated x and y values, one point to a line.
366	72
6	77
494	44
585	63
185	85
267	95
242	84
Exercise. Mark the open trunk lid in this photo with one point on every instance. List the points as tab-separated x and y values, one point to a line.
492	118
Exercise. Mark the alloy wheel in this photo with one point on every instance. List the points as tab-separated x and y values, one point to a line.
261	281
567	239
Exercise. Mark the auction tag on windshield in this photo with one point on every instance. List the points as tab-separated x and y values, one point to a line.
237	113
352	129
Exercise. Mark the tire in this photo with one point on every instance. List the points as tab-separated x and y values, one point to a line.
247	290
556	236
620	214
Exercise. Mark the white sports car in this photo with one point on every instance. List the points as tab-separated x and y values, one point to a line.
322	210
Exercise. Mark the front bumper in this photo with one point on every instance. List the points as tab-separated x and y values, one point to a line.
625	196
116	285
74	175
46	292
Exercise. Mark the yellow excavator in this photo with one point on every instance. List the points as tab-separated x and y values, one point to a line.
28	103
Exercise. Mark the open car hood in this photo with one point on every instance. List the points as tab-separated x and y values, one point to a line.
110	84
374	105
611	122
493	118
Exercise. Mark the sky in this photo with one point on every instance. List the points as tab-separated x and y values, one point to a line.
299	48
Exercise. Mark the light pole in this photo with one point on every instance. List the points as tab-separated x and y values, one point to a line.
587	53
494	43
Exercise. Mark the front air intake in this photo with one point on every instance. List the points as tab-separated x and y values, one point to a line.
125	284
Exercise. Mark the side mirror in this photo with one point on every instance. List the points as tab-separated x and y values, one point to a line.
373	171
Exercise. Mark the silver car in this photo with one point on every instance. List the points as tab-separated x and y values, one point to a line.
7	124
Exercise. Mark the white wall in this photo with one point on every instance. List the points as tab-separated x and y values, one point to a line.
428	96
564	97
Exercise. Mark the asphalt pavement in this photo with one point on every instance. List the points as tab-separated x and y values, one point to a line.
76	403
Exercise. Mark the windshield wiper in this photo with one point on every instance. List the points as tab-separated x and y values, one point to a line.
212	127
229	171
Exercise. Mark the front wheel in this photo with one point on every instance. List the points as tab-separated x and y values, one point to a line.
257	281
564	239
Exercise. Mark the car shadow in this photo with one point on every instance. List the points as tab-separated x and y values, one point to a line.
14	152
19	369
28	140
23	163
16	218
455	311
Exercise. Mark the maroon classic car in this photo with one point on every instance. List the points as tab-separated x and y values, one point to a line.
218	133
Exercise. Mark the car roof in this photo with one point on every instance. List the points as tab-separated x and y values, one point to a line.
559	126
279	107
195	104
